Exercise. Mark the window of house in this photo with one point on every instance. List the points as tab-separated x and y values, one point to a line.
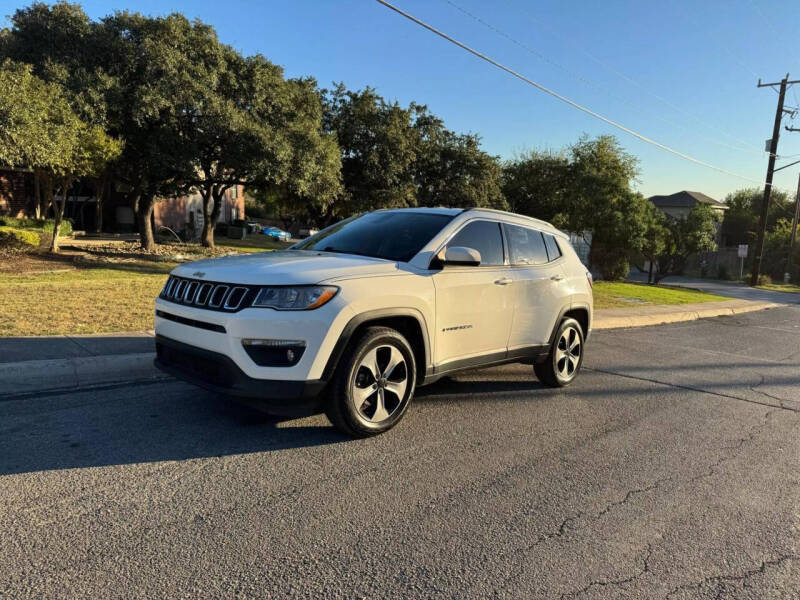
525	246
483	236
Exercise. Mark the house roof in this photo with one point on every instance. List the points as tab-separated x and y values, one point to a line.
686	199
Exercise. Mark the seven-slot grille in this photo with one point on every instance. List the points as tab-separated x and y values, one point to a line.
207	294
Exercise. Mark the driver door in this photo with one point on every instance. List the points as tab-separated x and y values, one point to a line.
474	304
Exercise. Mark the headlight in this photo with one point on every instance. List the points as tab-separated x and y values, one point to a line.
306	297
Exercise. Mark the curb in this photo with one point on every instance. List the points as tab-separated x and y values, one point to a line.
73	374
611	321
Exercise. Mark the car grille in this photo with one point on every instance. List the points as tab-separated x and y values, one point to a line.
226	297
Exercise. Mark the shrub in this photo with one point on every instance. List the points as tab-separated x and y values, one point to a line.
18	240
764	279
44	225
612	263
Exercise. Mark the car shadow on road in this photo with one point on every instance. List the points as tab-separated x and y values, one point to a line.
104	431
488	385
174	421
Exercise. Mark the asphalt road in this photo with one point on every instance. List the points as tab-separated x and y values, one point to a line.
671	469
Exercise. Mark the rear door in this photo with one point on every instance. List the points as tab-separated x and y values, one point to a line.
474	304
539	292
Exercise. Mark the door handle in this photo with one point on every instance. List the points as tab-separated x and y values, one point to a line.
557	278
504	281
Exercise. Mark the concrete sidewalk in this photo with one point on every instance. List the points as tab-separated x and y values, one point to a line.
38	365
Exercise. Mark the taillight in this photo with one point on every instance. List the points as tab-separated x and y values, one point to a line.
589	277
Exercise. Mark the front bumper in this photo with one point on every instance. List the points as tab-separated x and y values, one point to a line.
218	373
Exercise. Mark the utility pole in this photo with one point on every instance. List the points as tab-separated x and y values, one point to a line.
789	266
773	151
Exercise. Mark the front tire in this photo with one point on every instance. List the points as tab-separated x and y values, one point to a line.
564	361
373	384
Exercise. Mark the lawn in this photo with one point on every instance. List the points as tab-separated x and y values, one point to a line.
780	287
254	242
614	295
81	299
43	295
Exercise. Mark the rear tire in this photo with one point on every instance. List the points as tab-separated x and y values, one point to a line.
373	384
564	361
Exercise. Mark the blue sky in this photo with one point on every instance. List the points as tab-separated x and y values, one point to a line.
689	70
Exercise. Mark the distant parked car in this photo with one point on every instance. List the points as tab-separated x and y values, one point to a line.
277	233
307	232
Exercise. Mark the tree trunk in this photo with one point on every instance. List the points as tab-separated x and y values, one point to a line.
37	196
207	236
99	192
144	213
59	214
650	272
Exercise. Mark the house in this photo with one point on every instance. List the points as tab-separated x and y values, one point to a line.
183	214
16	192
680	203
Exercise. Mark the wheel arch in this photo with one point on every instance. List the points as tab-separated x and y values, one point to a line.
579	313
408	321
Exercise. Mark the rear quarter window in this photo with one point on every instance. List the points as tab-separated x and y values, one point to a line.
553	249
525	246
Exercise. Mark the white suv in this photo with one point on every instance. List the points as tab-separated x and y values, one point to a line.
352	319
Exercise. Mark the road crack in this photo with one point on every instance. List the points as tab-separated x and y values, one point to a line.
720	580
692	389
645	568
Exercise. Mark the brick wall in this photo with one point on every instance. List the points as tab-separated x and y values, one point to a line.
13	193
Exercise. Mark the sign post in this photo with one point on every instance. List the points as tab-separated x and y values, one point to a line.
742	255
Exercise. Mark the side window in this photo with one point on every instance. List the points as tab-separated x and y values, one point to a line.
553	251
485	237
525	246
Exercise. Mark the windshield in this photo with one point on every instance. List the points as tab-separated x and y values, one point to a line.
396	236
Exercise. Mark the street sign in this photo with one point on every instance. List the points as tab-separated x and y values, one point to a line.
742	251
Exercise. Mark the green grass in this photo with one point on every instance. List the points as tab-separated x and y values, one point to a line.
614	295
81	300
254	242
780	287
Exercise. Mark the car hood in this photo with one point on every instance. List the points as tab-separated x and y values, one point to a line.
287	267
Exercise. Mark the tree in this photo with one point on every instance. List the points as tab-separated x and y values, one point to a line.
59	43
258	130
585	189
40	131
537	184
740	222
683	237
450	169
378	145
157	78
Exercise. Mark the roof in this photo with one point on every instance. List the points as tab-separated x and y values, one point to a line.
477	211
686	199
436	210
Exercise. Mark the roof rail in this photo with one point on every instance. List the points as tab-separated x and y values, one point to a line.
510	214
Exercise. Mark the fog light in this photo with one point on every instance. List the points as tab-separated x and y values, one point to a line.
274	353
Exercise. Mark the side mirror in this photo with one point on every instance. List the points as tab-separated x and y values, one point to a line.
461	256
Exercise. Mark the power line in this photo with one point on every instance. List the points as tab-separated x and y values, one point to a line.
564	99
538	54
634	82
